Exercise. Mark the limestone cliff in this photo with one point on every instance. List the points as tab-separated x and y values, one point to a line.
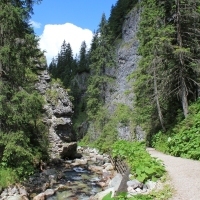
119	91
58	112
127	60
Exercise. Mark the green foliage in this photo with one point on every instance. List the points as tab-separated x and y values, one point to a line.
142	165
168	66
105	127
123	196
83	62
7	177
64	66
52	96
23	138
101	57
117	16
163	194
159	141
184	139
22	131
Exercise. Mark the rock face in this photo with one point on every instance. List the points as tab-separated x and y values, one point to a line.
127	60
58	111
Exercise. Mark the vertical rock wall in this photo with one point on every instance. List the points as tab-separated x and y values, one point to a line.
58	111
127	59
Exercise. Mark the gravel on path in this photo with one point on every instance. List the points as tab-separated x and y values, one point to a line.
184	175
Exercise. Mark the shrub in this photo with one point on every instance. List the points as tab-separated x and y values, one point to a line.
142	165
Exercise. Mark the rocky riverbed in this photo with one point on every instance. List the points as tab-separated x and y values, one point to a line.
90	177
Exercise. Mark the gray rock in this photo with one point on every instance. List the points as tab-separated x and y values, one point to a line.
49	192
4	193
16	197
12	191
150	185
138	190
40	196
53	177
100	195
140	134
49	172
69	150
134	183
58	110
23	192
115	182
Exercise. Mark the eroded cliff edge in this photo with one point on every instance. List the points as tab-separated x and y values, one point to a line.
57	116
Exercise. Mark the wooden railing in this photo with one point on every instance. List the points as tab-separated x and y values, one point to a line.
119	165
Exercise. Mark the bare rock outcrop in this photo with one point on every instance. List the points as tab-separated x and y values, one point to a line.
120	91
58	112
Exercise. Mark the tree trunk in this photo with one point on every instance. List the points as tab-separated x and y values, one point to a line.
184	98
157	99
183	87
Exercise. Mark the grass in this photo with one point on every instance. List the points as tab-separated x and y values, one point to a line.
7	177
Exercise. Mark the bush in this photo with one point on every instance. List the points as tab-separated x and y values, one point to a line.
7	177
184	139
142	165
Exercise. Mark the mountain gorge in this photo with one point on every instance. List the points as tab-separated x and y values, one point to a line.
138	79
136	86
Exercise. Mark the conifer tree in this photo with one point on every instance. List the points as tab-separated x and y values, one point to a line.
22	135
83	58
186	50
101	56
168	68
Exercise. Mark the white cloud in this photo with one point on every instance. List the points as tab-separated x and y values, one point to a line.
35	24
54	35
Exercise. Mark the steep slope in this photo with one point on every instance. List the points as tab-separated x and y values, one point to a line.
58	112
127	58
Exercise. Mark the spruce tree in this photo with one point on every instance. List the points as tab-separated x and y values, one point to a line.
83	59
101	56
168	68
22	134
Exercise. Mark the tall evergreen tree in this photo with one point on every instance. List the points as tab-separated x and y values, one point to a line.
22	135
101	57
186	50
117	16
168	67
83	58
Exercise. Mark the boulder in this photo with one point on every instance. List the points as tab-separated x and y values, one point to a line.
49	172
101	184
23	192
134	183
81	161
109	167
40	196
115	182
97	169
16	197
69	150
49	192
150	185
101	195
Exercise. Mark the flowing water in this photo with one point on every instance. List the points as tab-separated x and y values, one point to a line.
78	184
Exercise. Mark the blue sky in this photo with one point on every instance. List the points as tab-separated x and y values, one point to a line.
72	20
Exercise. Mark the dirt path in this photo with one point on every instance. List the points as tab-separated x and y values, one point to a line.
184	174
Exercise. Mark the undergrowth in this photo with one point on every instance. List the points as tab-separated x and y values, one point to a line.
7	177
183	140
104	129
142	165
163	194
